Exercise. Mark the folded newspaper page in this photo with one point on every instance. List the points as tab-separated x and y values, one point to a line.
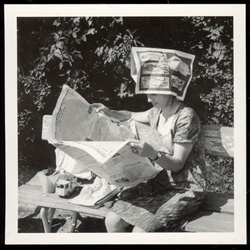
148	134
113	161
161	71
97	142
74	120
94	195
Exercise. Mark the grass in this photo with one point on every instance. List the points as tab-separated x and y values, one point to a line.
27	170
220	175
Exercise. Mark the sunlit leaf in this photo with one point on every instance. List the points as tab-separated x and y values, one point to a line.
206	28
216	53
59	45
58	55
56	36
76	20
221	56
60	65
91	31
84	38
78	41
52	48
49	57
80	56
76	30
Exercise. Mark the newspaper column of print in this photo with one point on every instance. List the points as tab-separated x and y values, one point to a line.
128	165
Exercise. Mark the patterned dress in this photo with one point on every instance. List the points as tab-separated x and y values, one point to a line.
166	202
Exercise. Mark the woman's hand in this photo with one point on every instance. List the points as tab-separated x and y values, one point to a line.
101	108
120	115
142	148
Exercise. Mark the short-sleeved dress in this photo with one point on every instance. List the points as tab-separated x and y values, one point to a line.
166	202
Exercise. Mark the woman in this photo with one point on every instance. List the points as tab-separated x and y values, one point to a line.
165	202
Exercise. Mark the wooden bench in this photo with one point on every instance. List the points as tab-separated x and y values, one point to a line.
215	215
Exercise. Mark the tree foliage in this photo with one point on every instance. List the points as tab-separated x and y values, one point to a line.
213	48
92	55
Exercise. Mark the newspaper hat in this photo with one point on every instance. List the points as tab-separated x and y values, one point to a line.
161	71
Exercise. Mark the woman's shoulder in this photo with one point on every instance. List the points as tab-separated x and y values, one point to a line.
185	111
186	116
187	126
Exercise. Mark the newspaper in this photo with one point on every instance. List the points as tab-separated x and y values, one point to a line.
94	195
150	135
97	142
74	120
161	71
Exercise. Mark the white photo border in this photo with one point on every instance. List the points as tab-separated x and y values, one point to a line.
11	12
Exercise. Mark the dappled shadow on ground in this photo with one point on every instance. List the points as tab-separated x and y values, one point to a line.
218	203
35	225
92	225
31	225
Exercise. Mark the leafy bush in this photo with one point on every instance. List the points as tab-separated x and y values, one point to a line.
220	174
213	69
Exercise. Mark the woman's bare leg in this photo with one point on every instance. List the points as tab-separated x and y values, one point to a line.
138	230
114	223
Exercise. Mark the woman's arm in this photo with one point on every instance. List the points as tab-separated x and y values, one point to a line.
174	163
140	116
122	115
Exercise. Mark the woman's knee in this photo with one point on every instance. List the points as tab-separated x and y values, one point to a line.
114	223
138	230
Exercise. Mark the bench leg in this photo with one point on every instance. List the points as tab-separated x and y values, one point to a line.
51	215
70	224
47	219
46	214
74	221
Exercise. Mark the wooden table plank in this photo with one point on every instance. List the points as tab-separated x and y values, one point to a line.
206	221
219	141
223	203
33	195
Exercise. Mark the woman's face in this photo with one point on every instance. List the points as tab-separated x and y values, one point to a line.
160	101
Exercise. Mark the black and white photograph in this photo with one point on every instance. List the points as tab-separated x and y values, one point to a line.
125	119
